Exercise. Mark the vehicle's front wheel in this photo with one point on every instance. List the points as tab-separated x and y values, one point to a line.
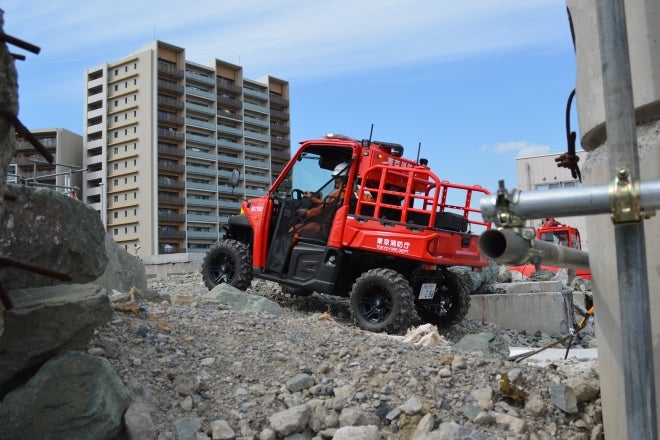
229	261
382	301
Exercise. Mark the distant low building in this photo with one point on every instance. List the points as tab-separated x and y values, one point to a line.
64	174
542	173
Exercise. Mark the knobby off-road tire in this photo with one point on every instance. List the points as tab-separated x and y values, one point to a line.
454	296
229	261
382	301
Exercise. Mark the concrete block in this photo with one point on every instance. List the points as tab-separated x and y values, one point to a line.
527	287
548	312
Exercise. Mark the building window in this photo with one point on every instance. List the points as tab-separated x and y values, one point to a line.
115	198
115	166
116	150
116	72
115	214
116	182
115	231
116	118
116	87
125	180
115	135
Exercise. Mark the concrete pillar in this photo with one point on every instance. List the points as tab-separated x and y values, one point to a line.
643	26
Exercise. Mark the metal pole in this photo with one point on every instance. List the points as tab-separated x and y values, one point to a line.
636	336
569	202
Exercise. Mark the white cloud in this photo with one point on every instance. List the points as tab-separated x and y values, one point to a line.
523	148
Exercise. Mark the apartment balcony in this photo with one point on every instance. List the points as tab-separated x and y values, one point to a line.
256	108
229	102
169	249
229	130
201	109
201	93
172	103
256	135
275	154
193	201
260	179
256	121
170	183
172	167
229	204
170	71
203	124
262	96
171	134
198	218
213	235
230	145
257	164
166	150
226	86
200	186
200	78
170	86
201	171
229	160
276	114
171	234
171	217
279	101
226	114
170	200
170	118
279	128
206	140
190	152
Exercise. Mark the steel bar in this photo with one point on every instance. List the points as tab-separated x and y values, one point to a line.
506	246
569	202
636	335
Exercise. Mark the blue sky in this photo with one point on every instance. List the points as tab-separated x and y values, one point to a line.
477	83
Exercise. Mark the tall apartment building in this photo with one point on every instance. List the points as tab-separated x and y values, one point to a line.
64	174
162	137
542	173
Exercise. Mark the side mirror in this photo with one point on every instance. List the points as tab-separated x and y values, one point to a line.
233	179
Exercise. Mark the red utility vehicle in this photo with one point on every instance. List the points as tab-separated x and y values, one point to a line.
389	253
558	233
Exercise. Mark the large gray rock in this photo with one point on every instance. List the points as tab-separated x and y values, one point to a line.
72	396
45	228
240	301
123	270
48	320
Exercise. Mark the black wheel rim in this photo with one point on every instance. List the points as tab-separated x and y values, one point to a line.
224	268
375	304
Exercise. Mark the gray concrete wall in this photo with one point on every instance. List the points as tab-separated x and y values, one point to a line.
643	27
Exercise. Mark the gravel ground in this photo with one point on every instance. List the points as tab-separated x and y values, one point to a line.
198	370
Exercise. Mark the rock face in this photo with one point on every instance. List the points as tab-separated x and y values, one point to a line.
47	229
73	396
48	320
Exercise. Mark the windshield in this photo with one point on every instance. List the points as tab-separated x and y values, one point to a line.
310	173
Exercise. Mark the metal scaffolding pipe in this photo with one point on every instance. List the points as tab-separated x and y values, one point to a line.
569	202
506	246
636	336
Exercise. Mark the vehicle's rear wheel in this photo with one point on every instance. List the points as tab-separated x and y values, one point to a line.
229	261
450	300
382	301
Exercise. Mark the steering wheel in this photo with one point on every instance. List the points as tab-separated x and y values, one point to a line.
298	194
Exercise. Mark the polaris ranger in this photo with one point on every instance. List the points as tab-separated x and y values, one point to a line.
387	243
